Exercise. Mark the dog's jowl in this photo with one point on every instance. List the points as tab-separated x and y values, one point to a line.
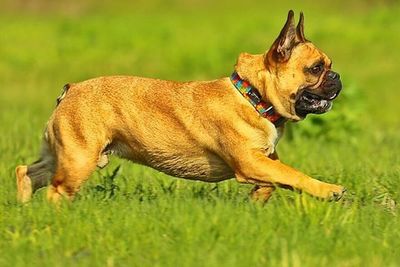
203	130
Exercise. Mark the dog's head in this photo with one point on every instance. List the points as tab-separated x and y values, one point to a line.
303	81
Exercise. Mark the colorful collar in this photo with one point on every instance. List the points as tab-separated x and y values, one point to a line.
249	92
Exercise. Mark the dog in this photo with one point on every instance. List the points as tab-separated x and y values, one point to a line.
201	130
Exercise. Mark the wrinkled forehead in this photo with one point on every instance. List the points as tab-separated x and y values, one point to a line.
308	54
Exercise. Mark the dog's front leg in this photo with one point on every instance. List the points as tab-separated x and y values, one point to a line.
263	193
255	167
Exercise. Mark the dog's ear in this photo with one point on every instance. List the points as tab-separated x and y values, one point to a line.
286	41
300	29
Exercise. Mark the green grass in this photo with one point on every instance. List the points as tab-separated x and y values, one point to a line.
143	218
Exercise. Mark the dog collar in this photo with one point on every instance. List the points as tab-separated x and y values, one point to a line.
249	92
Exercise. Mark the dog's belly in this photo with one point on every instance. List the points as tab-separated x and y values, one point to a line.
195	164
208	168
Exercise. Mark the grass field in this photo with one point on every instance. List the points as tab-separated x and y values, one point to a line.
140	217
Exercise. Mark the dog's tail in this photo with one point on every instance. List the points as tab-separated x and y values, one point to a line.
63	93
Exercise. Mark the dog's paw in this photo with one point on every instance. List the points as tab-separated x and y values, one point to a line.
336	196
24	184
330	192
335	192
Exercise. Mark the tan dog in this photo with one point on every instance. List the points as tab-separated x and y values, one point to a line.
203	130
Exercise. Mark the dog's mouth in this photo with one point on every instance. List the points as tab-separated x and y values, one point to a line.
309	102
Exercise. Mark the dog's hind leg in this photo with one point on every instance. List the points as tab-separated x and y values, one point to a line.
75	163
34	176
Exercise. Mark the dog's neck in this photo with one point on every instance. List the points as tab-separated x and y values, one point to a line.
249	78
251	94
249	67
252	69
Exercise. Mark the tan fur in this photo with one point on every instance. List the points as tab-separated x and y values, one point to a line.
202	130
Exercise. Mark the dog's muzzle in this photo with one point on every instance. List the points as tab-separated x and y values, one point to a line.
319	100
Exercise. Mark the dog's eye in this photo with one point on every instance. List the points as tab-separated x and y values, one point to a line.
316	69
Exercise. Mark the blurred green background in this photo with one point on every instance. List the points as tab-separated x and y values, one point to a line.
140	217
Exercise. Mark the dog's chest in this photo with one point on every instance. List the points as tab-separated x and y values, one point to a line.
268	139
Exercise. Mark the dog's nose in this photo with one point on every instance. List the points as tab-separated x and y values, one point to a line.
333	76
